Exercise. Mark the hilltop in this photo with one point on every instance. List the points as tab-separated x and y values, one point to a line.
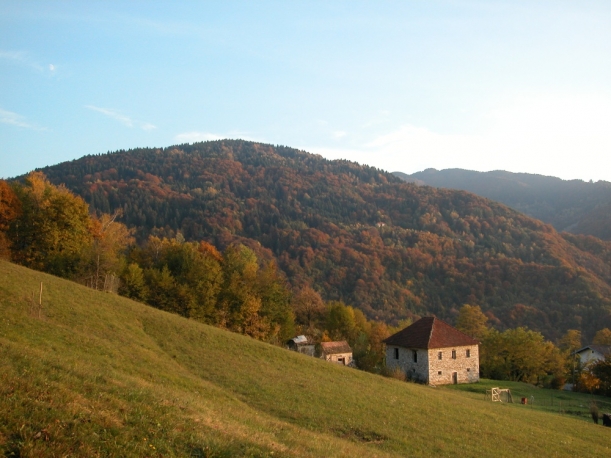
574	206
94	374
356	233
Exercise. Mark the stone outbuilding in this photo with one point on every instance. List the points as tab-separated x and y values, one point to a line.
302	344
337	352
433	352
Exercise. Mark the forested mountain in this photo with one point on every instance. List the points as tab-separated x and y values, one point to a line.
356	233
569	205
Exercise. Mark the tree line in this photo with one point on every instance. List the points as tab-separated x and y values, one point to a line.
356	234
523	355
48	228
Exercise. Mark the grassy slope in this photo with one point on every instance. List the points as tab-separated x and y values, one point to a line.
102	375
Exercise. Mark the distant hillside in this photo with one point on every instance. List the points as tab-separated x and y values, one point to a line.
356	233
574	206
94	374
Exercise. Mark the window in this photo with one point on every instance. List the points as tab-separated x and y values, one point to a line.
468	353
453	354
439	355
438	372
396	353
415	355
468	369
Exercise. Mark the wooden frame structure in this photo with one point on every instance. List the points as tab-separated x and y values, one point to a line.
499	395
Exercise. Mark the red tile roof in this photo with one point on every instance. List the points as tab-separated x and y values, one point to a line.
430	332
333	348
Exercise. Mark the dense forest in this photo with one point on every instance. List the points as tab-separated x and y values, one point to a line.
356	234
569	205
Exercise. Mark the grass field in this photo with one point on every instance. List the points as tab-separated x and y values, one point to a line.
99	375
551	401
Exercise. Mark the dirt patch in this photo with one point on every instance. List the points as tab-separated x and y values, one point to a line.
359	435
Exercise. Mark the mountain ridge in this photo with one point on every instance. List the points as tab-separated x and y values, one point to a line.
575	206
356	233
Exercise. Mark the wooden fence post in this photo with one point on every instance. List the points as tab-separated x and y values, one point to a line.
40	301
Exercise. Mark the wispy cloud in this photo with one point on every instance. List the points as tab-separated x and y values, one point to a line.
24	58
20	57
14	119
123	119
147	126
13	55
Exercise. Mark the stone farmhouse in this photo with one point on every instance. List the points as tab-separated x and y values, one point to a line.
337	352
433	352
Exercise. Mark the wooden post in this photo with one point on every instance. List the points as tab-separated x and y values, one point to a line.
97	273
40	301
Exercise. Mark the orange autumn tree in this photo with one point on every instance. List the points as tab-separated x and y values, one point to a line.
10	209
106	254
53	229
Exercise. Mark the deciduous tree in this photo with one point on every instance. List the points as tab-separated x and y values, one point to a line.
10	208
309	309
519	354
54	228
602	337
472	321
571	340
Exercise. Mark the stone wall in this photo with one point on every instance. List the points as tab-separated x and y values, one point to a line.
418	370
335	358
466	368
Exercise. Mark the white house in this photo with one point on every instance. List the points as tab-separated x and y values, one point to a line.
592	353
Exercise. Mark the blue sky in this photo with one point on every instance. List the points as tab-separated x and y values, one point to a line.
401	85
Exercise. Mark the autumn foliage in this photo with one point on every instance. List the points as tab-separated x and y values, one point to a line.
356	234
234	282
51	229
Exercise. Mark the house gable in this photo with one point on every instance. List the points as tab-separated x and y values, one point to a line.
593	353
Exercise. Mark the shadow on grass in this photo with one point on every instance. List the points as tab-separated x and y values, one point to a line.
359	435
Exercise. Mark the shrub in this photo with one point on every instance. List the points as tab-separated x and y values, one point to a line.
396	372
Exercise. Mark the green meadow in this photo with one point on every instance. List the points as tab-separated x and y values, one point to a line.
94	374
551	401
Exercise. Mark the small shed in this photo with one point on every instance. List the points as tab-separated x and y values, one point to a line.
301	344
337	352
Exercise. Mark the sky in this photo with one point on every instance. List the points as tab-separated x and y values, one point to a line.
523	86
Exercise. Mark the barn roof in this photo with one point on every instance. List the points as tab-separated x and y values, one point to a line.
300	339
430	332
332	348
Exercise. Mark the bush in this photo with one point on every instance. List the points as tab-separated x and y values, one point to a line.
396	372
